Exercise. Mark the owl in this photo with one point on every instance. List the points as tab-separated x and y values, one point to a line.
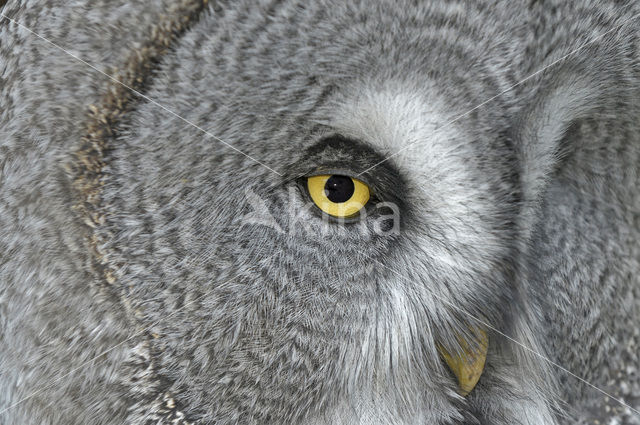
382	212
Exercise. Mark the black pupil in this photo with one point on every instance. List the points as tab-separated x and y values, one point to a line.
339	188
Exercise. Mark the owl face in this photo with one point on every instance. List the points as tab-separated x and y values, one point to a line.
272	302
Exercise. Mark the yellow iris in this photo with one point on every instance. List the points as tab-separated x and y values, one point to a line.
337	195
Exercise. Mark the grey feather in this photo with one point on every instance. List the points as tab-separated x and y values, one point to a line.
149	273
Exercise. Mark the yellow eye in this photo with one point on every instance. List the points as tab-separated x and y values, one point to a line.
339	196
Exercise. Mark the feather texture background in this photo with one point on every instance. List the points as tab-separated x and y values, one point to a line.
125	229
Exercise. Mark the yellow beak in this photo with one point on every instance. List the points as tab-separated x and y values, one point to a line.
468	365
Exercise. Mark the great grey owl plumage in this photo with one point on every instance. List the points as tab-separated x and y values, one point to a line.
162	260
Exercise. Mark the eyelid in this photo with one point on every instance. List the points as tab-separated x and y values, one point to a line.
342	172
